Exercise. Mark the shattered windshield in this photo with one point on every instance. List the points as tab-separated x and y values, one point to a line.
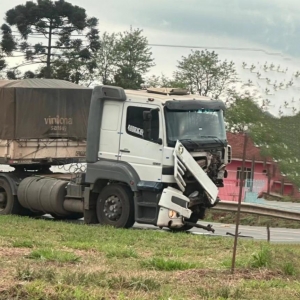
195	125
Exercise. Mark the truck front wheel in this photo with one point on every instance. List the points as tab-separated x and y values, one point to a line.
115	206
193	219
9	204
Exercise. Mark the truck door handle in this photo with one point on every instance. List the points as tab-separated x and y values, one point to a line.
124	150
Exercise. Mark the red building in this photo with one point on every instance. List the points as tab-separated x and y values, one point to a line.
261	174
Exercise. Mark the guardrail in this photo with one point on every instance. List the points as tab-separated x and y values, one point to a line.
259	210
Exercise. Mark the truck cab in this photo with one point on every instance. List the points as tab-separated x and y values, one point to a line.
168	149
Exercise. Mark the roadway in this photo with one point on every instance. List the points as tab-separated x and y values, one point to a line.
277	235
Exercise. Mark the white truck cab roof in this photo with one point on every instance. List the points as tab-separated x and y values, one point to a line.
173	98
161	95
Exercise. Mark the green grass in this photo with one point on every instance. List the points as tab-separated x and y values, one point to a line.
162	264
23	244
261	258
53	255
289	269
43	259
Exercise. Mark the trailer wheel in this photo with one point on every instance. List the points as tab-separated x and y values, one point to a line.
9	204
115	206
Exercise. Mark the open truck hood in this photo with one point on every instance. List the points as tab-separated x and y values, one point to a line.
184	161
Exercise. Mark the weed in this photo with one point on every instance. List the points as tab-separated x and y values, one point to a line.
121	253
25	274
22	244
85	279
289	269
227	263
145	284
53	255
29	274
167	264
74	293
220	292
134	283
261	258
223	292
203	292
35	290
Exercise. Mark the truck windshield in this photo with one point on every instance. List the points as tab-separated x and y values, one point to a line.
195	125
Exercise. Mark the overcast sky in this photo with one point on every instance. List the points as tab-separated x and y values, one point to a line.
271	28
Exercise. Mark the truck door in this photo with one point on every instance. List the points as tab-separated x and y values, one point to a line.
144	155
110	130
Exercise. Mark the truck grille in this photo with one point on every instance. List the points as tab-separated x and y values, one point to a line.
179	171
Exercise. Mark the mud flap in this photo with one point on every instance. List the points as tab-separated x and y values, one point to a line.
173	206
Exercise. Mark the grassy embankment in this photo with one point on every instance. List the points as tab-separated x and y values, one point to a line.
43	259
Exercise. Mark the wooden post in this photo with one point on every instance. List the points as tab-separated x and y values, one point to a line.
242	180
252	173
282	187
269	179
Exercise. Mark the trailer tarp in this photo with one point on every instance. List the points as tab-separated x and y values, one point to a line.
43	108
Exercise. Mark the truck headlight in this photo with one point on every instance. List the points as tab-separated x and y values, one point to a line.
172	214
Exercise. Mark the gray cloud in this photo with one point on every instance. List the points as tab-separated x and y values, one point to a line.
269	23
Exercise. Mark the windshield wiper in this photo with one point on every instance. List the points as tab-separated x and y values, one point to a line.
190	141
215	138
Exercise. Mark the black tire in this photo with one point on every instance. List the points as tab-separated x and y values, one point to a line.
118	199
194	219
9	204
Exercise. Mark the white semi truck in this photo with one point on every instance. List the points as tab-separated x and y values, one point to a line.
155	156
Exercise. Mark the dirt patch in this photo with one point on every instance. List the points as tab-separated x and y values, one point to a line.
7	279
13	252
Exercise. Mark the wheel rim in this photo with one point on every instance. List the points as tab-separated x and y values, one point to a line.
112	208
3	200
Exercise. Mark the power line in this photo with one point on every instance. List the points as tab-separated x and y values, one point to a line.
220	48
194	47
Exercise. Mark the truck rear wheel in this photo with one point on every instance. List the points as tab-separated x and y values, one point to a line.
115	206
9	204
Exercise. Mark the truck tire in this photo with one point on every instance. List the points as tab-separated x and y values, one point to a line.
194	219
115	206
9	204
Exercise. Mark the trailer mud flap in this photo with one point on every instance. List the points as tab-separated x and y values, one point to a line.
184	161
